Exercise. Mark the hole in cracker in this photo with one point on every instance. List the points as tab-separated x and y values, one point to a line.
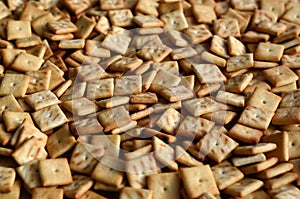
293	144
264	102
165	189
56	170
13	84
200	180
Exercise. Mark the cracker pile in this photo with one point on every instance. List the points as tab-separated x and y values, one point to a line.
149	99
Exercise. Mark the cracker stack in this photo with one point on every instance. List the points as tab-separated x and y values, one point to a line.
149	99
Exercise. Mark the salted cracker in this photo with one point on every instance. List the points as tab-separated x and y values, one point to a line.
30	174
219	46
259	167
18	29
281	180
204	13
79	186
80	106
15	84
280	75
244	187
128	192
8	176
50	192
208	73
255	149
226	27
286	116
174	20
268	52
245	134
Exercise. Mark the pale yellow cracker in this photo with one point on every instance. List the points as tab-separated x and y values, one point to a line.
268	52
15	84
30	174
18	29
80	185
244	187
219	46
8	176
245	134
26	62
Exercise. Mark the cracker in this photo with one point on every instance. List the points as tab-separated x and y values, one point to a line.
5	12
144	98
275	171
259	167
246	160
113	118
211	58
80	185
198	33
256	118
49	117
291	15
239	62
94	48
86	126
106	171
128	192
85	157
170	66
30	174
15	84
226	27
51	192
80	106
18	29
26	62
75	91
252	36
164	153
62	26
39	24
139	168
164	185
183	53
177	93
121	18
244	187
219	152
55	172
281	140
41	99
60	142
291	60
148	21
28	42
9	55
269	52
255	149
76	6
112	5
230	98
125	64
92	195
169	120
201	177
280	75
113	102
118	43
85	26
15	192
185	158
294	144
281	180
208	73
148	7
132	83
204	13
7	179
174	20
226	174
13	120
219	46
71	44
5	136
286	116
154	51
245	134
200	106
194	127
29	150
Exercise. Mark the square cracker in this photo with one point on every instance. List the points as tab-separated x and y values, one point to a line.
246	160
235	46
77	6
175	20
244	187
30	174
15	192
226	27
164	185
296	168
62	26
226	174
121	18
154	51
208	73
112	4
114	118
81	106
280	181
280	75
245	134
85	157
219	46
198	180
8	176
5	12
261	194
15	84
255	118
255	149
91	195
129	192
38	80
60	142
128	85
264	99
204	13
27	62
281	140
49	117
286	116
13	119
29	150
169	120
240	62
194	127
148	21
18	29
41	99
294	144
47	192
108	171
275	171
223	147
237	84
55	172
79	186
5	136
85	26
148	7
259	167
268	52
